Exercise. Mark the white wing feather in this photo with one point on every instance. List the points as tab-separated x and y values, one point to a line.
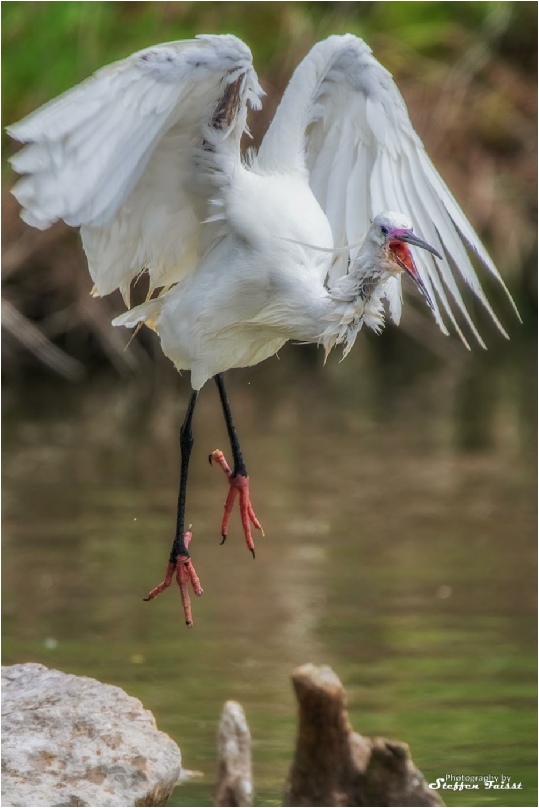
135	154
344	124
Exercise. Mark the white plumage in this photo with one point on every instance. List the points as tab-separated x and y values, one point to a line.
145	157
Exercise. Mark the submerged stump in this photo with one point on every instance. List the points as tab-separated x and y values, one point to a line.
335	766
234	777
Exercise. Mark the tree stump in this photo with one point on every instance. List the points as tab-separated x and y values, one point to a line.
235	778
337	767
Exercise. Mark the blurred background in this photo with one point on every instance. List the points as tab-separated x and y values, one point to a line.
397	489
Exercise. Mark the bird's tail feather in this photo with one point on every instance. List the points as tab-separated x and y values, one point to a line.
147	313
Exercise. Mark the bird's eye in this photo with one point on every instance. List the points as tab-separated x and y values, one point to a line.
384	230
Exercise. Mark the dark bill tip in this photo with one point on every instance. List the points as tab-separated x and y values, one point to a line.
422	288
416	277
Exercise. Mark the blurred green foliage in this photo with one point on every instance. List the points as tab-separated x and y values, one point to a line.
47	47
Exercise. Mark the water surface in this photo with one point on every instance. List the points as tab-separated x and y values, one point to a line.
399	511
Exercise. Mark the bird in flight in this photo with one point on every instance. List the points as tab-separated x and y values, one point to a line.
307	239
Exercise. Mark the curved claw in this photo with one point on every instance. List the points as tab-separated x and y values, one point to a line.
185	573
238	487
223	539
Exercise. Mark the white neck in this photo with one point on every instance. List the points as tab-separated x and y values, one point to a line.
356	298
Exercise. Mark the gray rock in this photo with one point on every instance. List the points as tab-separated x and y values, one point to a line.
70	740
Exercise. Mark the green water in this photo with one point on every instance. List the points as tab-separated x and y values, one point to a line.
399	511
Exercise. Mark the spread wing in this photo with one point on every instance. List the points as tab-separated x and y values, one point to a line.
135	154
344	122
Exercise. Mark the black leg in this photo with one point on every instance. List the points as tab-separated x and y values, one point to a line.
180	564
239	463
186	444
238	479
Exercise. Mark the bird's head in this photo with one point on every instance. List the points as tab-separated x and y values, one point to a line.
390	233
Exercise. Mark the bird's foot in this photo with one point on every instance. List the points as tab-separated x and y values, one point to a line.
239	484
185	573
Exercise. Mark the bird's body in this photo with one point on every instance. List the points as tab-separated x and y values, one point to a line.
305	240
254	288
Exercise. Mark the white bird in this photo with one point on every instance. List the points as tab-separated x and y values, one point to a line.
299	241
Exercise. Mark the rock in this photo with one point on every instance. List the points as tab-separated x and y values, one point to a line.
334	765
70	740
234	777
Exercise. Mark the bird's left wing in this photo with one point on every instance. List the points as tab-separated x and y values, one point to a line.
135	153
344	123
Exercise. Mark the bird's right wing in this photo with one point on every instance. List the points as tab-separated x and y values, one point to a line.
344	125
135	153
